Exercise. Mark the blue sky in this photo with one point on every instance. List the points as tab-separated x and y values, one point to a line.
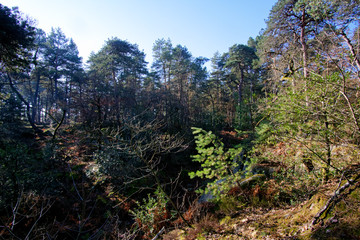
203	26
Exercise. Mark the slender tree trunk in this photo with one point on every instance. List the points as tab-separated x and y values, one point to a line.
28	108
59	124
169	77
328	150
38	106
67	97
69	101
50	99
35	98
213	110
164	75
240	85
251	105
56	89
304	49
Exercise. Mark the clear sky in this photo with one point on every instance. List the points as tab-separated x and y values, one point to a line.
203	26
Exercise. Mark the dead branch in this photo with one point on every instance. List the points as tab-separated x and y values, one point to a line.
159	233
337	196
44	209
351	110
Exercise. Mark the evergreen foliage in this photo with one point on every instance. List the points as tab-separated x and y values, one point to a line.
219	165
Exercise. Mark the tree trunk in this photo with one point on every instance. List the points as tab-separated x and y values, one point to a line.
304	49
328	149
35	97
240	85
28	108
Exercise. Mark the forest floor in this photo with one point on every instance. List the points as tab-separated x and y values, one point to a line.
288	222
264	210
233	219
260	216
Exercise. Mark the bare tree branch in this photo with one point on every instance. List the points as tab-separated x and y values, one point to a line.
337	196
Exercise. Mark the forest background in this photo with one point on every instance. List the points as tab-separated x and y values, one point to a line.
117	150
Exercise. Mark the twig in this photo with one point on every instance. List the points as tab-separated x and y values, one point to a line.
42	212
159	233
15	210
77	191
316	154
12	234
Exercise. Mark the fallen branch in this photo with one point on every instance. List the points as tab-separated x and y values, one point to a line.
336	197
159	233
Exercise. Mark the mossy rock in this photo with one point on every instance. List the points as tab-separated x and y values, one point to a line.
252	179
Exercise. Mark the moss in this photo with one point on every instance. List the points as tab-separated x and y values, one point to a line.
200	237
229	205
343	222
225	221
175	234
341	206
355	195
290	222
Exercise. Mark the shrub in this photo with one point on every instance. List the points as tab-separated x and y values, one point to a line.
218	164
152	214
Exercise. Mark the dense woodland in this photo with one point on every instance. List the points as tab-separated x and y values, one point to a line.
264	145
